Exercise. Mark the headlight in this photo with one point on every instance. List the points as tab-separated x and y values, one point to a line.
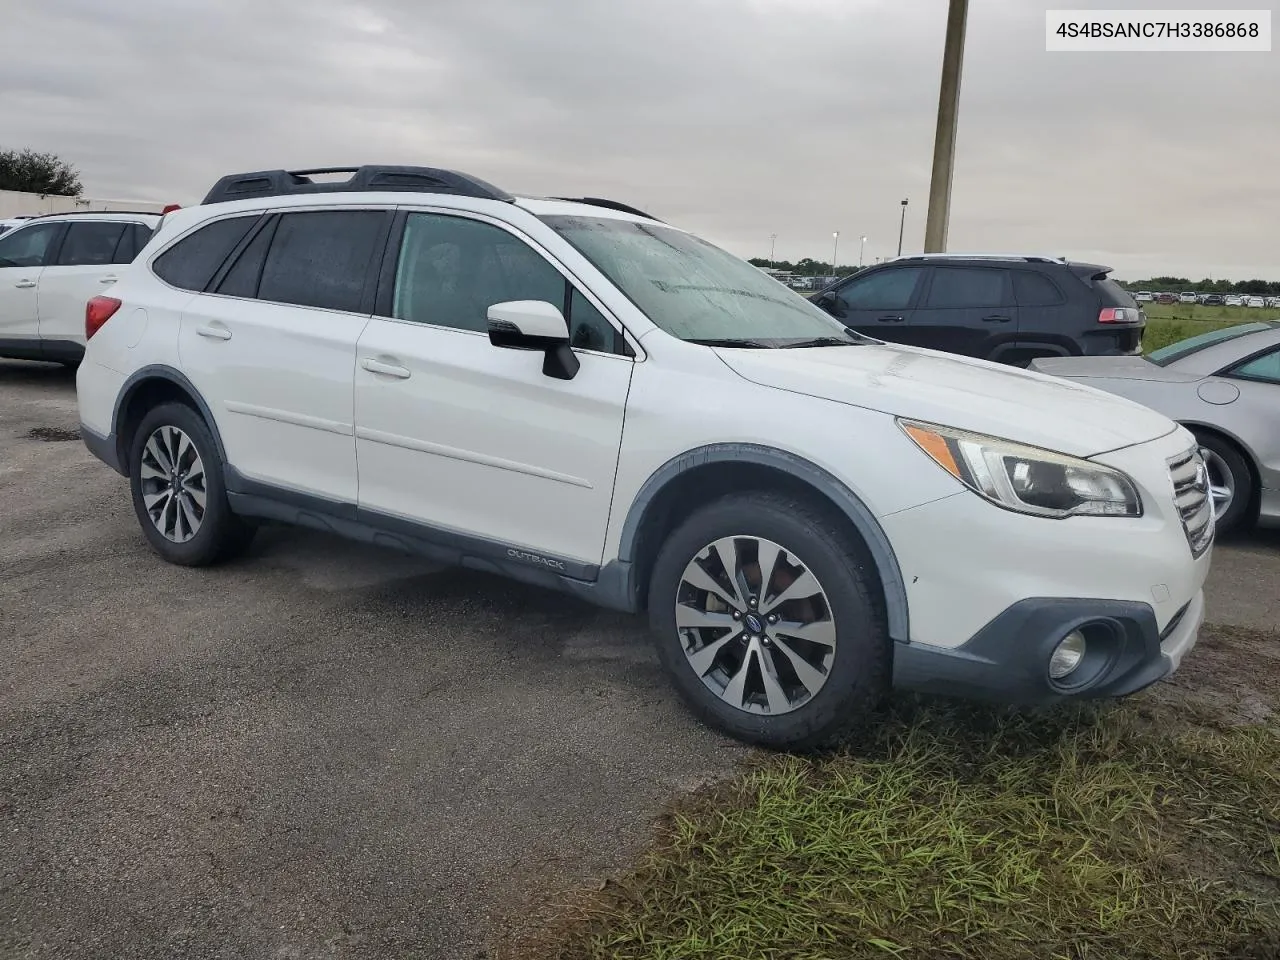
1027	479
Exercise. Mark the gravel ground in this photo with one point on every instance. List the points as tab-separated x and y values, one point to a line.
321	750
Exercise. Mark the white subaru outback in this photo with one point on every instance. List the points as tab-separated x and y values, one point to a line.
575	394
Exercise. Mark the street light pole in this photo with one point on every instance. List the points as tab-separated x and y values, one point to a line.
861	250
902	226
773	240
944	143
835	245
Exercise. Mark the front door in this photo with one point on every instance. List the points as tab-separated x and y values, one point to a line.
879	303
466	438
23	255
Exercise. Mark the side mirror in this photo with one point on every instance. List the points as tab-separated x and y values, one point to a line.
827	302
535	325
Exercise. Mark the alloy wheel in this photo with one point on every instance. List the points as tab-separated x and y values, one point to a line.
173	484
1222	483
755	625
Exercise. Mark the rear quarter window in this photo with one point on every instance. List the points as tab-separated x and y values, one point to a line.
1112	294
191	262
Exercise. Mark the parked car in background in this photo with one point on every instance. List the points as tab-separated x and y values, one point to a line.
1234	300
1187	298
576	395
1009	309
1213	300
1166	298
1256	302
1143	296
11	223
1224	386
50	267
1273	301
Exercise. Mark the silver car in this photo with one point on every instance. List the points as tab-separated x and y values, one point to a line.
1224	386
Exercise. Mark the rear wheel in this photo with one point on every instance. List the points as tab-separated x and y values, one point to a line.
175	476
1230	481
765	619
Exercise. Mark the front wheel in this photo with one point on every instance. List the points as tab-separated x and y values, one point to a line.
765	619
175	476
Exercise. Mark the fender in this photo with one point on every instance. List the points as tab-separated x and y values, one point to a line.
160	371
895	592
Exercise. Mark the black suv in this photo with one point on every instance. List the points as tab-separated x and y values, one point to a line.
1005	308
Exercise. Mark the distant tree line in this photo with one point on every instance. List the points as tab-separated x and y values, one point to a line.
805	267
1251	288
30	172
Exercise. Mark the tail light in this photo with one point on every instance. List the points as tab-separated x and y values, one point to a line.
1117	315
97	312
170	207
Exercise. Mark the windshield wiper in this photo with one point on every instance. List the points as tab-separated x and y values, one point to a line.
823	342
732	342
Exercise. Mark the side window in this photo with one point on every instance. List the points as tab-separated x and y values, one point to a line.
1265	368
452	270
135	238
882	290
588	329
191	262
1035	290
321	258
244	276
963	287
90	243
28	246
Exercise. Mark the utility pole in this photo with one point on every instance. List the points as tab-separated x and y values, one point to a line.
861	250
902	225
835	245
944	144
773	240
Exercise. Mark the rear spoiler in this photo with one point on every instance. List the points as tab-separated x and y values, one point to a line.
1090	271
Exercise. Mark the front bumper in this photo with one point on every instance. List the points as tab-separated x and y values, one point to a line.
1008	659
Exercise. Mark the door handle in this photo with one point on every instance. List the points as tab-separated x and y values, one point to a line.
213	333
111	279
386	369
996	319
891	319
25	284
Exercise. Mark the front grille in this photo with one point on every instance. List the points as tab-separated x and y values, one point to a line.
1191	497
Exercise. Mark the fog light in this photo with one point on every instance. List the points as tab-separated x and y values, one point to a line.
1067	655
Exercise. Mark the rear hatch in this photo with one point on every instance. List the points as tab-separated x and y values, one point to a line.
1120	320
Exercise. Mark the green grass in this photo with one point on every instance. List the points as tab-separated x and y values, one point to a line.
1163	331
1194	311
965	833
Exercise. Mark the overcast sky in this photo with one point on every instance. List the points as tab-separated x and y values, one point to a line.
734	118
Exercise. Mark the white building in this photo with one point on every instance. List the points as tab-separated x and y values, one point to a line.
15	204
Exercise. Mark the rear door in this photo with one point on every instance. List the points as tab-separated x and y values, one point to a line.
1048	322
967	310
878	303
271	346
24	252
1255	415
88	261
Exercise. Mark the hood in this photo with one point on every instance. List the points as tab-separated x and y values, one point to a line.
953	391
1113	368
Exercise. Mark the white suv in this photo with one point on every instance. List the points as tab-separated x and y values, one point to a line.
50	266
577	395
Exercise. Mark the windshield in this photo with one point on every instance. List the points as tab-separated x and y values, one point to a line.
696	291
1185	348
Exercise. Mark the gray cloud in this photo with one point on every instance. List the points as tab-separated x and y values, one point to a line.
736	118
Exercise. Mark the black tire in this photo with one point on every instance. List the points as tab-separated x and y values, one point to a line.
221	534
858	674
1241	480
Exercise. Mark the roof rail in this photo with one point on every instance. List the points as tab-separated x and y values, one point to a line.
366	179
610	205
99	213
1025	258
